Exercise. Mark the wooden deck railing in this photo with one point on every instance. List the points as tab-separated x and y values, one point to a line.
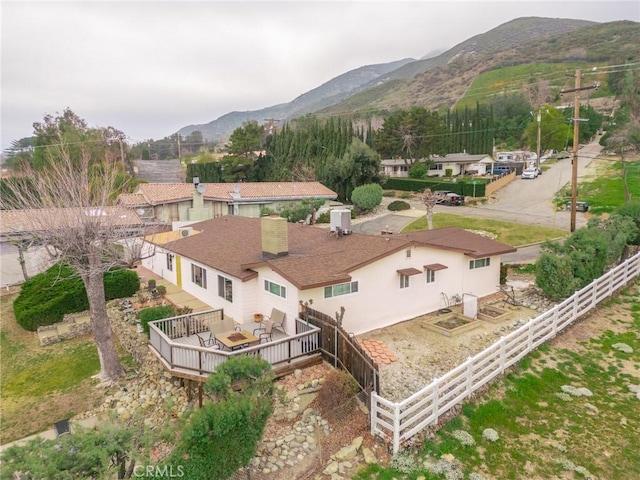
201	361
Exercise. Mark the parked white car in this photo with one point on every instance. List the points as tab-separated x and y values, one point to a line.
530	173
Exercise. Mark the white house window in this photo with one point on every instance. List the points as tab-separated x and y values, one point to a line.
404	281
431	276
199	276
225	288
170	261
479	263
276	289
340	289
408	253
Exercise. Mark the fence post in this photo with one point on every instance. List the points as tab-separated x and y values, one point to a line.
530	335
335	347
469	377
555	322
501	354
436	400
396	428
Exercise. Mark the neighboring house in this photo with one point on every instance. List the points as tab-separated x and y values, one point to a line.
183	202
251	265
395	167
452	165
455	164
19	232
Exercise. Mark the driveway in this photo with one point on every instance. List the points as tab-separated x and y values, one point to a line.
521	201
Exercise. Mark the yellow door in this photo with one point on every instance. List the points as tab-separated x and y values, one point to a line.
179	271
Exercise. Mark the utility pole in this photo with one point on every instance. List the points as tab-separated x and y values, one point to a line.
538	149
178	146
576	143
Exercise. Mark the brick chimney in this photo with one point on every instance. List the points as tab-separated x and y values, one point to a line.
275	241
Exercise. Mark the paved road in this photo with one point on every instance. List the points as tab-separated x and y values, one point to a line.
521	201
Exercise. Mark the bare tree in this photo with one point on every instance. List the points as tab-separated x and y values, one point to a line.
66	206
429	199
627	140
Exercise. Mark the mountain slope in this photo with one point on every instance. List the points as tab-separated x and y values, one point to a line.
443	86
325	95
436	81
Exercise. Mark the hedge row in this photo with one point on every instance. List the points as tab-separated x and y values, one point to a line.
461	187
48	296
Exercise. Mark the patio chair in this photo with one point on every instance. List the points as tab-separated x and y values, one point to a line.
277	317
62	427
264	333
210	342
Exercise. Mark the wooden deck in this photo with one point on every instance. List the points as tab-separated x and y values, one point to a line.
175	342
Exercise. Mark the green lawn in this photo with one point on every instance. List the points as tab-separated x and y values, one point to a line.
40	385
605	192
542	430
514	234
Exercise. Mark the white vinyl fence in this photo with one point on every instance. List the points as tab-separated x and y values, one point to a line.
397	422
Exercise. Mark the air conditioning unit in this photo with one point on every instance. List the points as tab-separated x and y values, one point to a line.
185	232
340	221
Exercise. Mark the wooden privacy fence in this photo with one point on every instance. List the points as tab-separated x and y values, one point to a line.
342	350
400	421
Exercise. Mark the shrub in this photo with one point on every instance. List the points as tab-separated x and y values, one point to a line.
222	437
324	217
367	197
554	276
150	314
398	205
48	296
338	387
389	193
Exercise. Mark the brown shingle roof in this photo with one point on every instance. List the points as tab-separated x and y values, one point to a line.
157	193
452	238
232	244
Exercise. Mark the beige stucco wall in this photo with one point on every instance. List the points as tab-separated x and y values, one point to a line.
379	301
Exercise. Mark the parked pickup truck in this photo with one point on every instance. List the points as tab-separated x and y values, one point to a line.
445	197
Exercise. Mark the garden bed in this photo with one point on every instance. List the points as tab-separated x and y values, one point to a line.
452	324
493	314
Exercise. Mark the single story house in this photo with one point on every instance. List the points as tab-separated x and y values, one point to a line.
455	164
395	167
251	265
21	235
188	202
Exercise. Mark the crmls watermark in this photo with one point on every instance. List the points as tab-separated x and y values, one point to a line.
151	471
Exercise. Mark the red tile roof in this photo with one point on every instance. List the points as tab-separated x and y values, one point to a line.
158	193
232	244
24	221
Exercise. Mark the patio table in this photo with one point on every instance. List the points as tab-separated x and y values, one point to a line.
235	340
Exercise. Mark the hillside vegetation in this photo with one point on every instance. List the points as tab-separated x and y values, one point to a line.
590	46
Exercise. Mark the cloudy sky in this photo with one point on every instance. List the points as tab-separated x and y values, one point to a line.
149	68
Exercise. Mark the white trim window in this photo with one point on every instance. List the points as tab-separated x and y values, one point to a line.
276	289
225	288
170	257
404	281
479	263
199	276
431	276
340	289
